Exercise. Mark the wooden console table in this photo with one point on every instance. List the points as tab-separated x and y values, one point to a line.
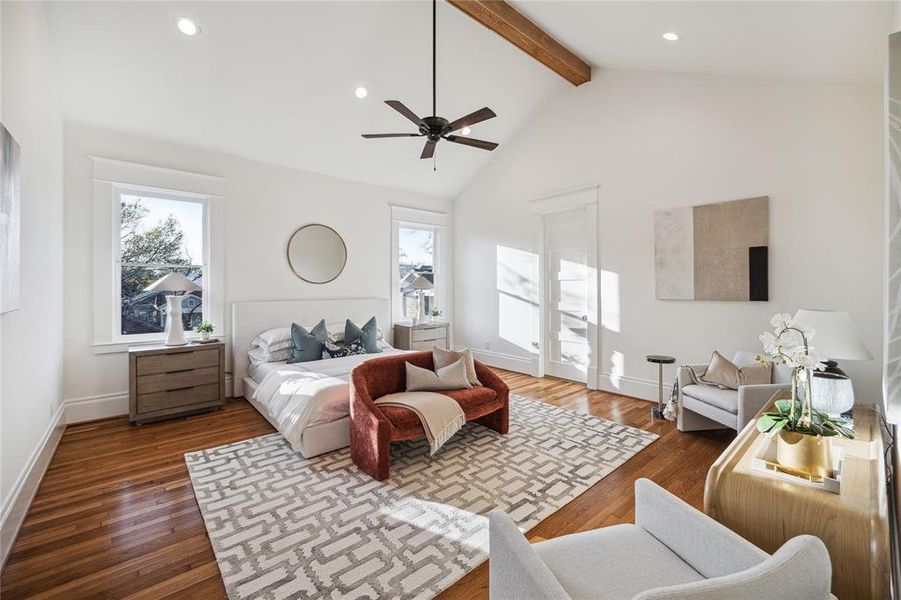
768	511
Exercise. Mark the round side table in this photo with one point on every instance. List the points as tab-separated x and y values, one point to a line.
659	360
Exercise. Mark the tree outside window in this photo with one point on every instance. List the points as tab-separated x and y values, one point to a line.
158	236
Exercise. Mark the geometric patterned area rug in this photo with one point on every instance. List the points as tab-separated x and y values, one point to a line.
283	526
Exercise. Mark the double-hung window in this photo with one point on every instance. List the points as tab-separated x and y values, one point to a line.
150	222
416	260
419	262
158	234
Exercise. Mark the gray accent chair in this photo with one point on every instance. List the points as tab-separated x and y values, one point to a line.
672	551
709	407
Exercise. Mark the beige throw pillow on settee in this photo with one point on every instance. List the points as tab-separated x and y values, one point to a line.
451	377
722	372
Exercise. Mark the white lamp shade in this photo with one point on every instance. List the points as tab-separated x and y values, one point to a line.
421	283
173	282
836	336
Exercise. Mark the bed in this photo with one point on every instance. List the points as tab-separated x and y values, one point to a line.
249	319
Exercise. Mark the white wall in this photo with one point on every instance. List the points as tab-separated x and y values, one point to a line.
263	205
31	338
652	141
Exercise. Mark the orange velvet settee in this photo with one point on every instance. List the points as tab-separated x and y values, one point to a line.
373	428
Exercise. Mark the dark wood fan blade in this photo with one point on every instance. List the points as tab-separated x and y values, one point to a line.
467	141
428	151
399	107
370	136
483	114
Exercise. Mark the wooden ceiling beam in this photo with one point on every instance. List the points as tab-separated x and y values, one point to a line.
516	28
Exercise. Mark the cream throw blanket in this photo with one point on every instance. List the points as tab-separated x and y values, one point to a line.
440	415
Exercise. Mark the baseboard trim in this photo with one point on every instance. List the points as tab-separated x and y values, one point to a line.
26	485
92	408
636	387
104	406
509	362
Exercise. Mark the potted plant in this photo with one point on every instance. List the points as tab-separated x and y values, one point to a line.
205	329
803	441
434	315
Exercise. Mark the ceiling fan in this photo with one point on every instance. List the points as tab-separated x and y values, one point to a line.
436	128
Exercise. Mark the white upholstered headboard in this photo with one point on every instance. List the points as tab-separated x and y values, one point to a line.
249	319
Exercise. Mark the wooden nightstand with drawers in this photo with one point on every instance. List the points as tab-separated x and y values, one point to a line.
421	336
171	381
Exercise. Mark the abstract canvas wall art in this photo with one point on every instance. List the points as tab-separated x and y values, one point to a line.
10	220
713	251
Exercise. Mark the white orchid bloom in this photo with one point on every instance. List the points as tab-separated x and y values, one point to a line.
780	321
770	342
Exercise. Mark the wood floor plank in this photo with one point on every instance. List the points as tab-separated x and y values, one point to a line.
115	515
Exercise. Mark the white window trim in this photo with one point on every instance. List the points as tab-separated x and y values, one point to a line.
418	218
112	177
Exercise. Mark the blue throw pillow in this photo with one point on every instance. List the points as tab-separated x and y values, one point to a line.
307	344
369	335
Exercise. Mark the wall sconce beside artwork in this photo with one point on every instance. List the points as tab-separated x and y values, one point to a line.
713	251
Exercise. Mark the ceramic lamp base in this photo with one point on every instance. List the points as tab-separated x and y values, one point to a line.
175	332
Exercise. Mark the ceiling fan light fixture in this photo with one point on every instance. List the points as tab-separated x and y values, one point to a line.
671	36
187	26
361	92
435	128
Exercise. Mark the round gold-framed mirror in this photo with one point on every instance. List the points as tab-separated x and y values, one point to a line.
317	253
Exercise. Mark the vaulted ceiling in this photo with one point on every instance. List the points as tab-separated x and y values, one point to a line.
275	81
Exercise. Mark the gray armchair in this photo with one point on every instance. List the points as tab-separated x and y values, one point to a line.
709	407
672	551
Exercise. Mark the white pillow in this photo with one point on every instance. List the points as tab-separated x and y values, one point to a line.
274	339
259	356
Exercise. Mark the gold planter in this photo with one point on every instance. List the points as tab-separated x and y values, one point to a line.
808	453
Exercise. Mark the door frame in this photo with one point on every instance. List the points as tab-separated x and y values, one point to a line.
582	197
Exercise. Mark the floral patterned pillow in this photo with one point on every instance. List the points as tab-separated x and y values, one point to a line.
330	350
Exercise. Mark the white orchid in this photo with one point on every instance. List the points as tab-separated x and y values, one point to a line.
790	344
809	361
781	321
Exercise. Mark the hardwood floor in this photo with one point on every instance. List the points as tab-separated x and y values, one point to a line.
115	515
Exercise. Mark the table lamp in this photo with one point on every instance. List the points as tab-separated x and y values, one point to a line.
836	338
178	284
420	284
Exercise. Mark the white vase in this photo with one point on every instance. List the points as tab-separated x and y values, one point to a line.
175	331
205	336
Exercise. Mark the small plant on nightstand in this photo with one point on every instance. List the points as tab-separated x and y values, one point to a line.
205	329
434	314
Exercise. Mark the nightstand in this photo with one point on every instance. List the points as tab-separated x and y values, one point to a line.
171	381
421	336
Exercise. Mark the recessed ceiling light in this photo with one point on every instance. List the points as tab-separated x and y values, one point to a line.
465	131
187	26
670	36
361	92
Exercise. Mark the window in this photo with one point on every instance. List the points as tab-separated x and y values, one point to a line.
419	251
415	260
159	234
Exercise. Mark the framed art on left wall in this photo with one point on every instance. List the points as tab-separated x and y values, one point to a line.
10	220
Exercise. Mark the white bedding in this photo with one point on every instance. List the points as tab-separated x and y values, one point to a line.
302	395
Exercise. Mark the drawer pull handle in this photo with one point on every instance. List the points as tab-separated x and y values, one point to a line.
187	387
